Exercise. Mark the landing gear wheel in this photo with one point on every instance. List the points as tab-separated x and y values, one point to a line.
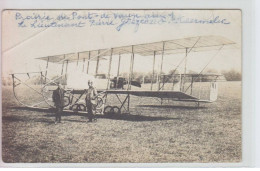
79	107
108	110
74	107
99	102
47	96
66	101
116	110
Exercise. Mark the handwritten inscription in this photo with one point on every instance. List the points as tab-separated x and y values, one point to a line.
118	20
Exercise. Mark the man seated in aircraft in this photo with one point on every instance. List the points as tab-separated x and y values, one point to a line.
118	83
58	99
91	101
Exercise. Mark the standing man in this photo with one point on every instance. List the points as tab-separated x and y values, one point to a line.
58	99
91	100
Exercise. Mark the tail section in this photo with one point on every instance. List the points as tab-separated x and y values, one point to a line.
213	91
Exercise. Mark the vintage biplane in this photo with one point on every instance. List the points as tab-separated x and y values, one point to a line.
177	86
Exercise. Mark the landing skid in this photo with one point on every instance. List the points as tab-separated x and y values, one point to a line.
125	104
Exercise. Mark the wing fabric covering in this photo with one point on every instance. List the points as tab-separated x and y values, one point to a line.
174	95
196	44
160	94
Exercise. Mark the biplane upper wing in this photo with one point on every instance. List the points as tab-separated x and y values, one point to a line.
196	44
73	57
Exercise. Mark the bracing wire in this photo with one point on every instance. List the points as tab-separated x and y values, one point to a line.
205	67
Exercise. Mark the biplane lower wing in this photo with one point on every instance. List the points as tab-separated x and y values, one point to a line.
173	95
147	93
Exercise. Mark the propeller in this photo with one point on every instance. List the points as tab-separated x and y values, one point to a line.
135	83
120	82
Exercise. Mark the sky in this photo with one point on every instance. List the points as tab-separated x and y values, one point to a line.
29	34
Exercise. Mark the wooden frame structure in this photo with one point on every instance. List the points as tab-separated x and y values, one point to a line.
162	48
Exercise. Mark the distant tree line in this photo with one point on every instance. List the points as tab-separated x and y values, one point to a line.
7	81
230	75
34	80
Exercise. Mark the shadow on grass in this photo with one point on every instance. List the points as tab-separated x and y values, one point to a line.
51	113
48	110
173	107
137	118
126	117
26	119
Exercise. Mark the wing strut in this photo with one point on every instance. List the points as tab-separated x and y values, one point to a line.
78	59
185	65
130	76
159	80
47	68
132	67
154	53
97	62
62	66
83	67
88	61
118	69
109	68
66	69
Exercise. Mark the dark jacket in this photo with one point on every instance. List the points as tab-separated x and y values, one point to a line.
58	97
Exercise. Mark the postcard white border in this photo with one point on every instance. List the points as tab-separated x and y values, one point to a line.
248	57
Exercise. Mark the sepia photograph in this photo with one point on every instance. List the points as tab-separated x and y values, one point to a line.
122	86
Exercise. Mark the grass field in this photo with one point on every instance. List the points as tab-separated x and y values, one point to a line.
173	132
